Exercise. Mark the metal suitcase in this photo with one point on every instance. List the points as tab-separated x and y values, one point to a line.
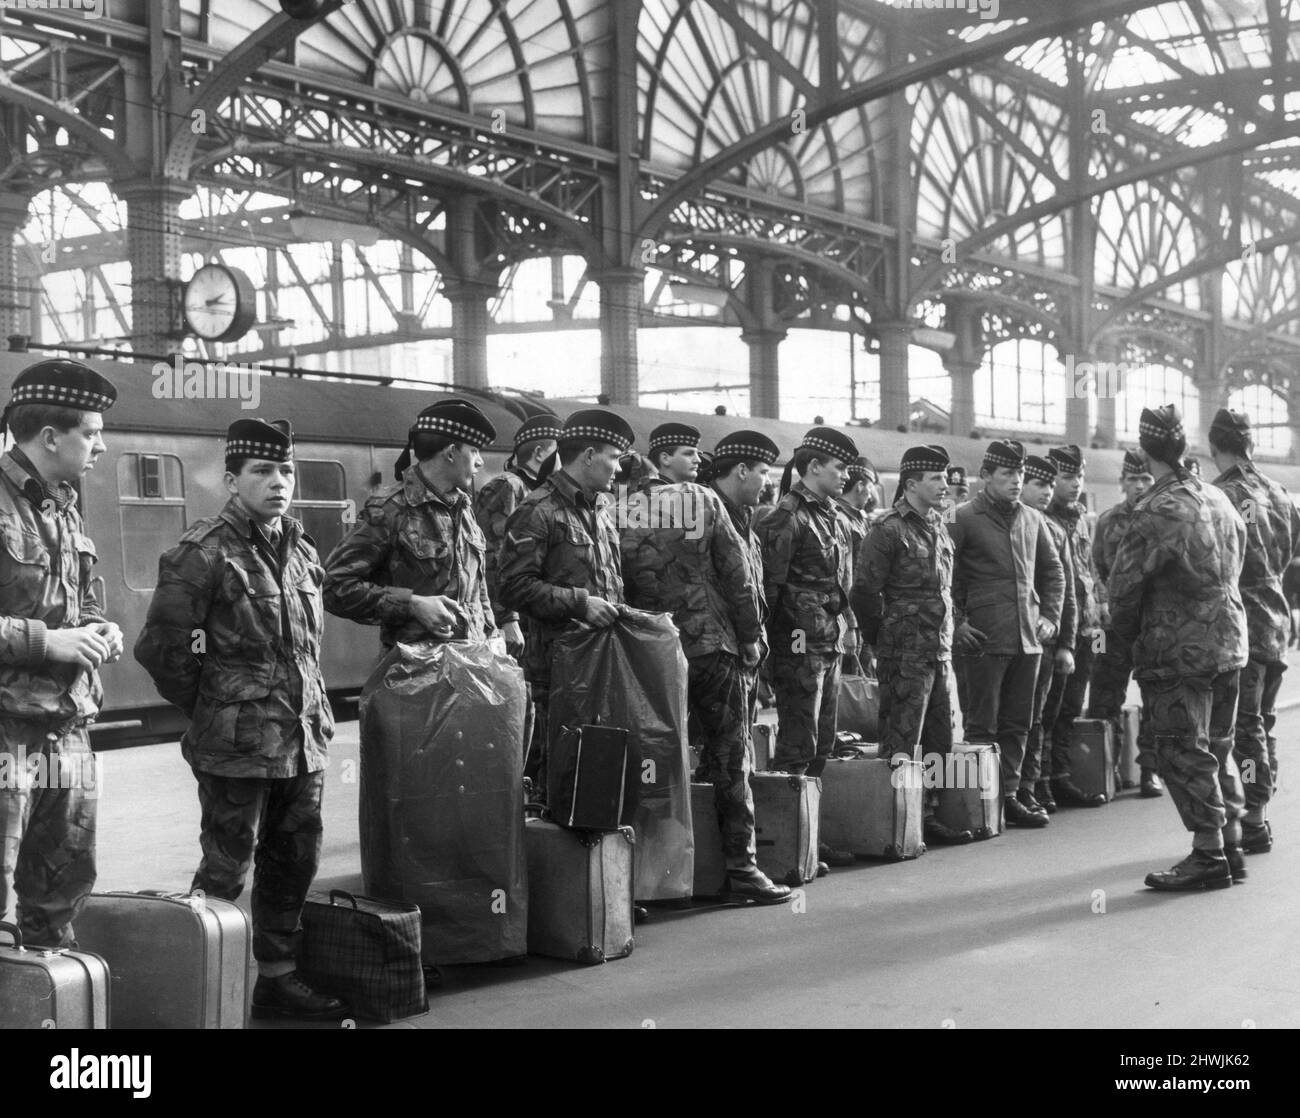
764	737
1092	756
579	892
1130	719
787	825
871	808
178	961
43	988
970	793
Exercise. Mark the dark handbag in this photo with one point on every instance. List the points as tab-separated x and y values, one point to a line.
859	706
592	779
366	952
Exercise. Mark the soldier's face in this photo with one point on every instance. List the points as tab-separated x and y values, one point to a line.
597	466
264	488
1069	486
683	464
752	483
826	480
932	489
1037	494
1135	486
463	462
74	451
1004	483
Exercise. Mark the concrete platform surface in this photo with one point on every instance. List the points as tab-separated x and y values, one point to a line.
1043	928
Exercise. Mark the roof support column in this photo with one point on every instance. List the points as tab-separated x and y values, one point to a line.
13	304
764	371
895	390
469	330
153	235
963	361
622	292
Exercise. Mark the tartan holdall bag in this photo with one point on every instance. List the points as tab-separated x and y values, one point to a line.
366	952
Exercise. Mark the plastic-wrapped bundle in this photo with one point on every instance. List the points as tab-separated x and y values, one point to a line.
633	674
442	805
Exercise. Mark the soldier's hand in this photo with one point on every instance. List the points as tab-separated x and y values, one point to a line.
439	615
1064	664
76	646
111	633
750	655
600	612
969	638
514	637
1044	630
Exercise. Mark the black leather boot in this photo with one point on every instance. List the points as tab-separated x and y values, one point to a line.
1201	869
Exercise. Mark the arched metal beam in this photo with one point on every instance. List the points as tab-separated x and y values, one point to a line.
585	241
1065	17
1191	271
111	151
241	63
810	260
1190	158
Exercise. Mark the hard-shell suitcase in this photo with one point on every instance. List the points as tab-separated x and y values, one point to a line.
787	825
1130	720
177	961
764	738
859	706
710	867
592	779
1092	756
579	892
970	791
41	988
873	808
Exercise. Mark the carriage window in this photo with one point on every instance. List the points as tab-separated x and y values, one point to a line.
320	502
151	499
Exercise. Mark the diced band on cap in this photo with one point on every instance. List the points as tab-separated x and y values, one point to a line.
62	395
461	432
252	448
826	446
1044	469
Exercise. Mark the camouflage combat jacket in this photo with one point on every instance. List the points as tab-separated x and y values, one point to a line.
806	575
1111	526
1006	573
1068	630
1272	539
1070	517
742	519
856	527
46	582
560	549
681	555
236	646
1173	588
902	586
493	505
411	541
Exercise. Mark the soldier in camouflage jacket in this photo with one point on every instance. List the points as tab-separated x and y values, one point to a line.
53	638
1272	542
1174	598
233	639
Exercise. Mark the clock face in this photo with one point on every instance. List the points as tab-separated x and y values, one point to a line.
219	303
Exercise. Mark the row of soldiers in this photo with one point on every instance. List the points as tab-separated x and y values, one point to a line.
234	629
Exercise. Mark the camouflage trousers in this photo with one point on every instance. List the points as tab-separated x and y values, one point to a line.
49	794
718	697
1255	748
915	713
960	662
1064	704
1192	723
807	687
1031	769
283	818
1000	691
1110	676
